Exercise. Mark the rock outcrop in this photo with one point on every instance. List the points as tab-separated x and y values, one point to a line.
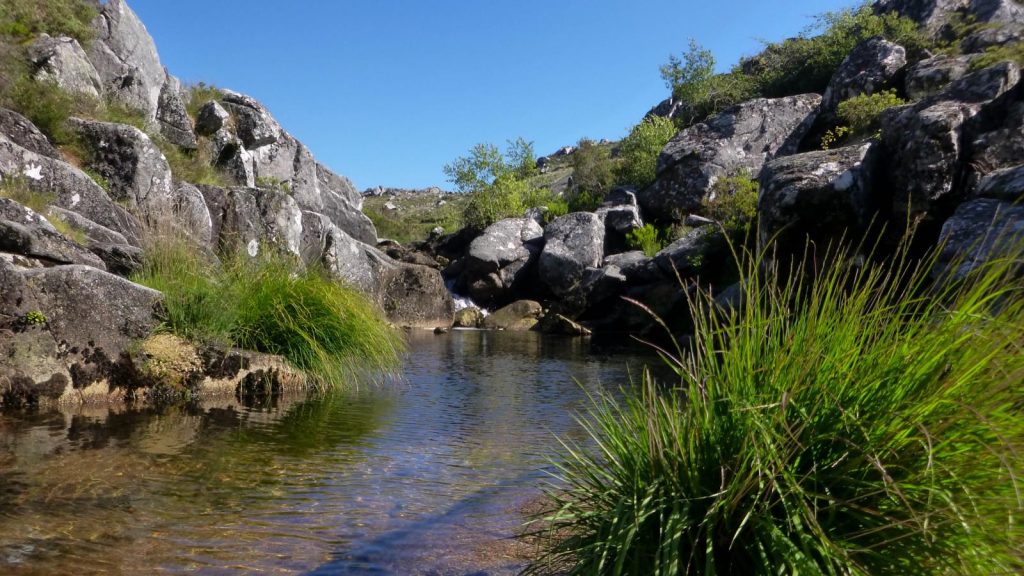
739	140
62	61
572	244
500	260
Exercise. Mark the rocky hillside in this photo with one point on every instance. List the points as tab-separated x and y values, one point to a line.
931	134
123	155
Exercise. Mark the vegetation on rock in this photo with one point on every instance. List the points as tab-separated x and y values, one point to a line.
640	149
267	304
846	419
24	19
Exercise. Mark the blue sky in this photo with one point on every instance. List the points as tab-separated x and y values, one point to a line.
388	91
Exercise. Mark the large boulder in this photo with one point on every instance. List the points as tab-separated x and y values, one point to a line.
175	123
933	75
252	220
43	245
740	139
699	250
824	196
923	144
519	316
25	134
211	118
936	15
68	187
31	367
135	168
996	136
978	231
191	213
416	296
343	204
871	67
253	122
1006	184
62	61
499	260
572	243
993	36
125	56
94	317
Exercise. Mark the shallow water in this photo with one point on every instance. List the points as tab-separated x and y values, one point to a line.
423	476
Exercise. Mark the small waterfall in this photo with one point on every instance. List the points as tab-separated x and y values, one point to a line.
461	301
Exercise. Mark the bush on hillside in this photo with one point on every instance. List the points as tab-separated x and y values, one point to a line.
862	422
648	238
807	63
25	19
593	174
862	113
640	149
733	203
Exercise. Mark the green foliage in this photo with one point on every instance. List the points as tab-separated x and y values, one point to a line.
552	204
862	422
687	77
592	176
199	94
835	135
416	216
35	318
485	164
862	113
733	203
503	199
25	19
17	188
275	184
648	238
194	166
640	149
498	185
1011	52
807	63
45	104
328	330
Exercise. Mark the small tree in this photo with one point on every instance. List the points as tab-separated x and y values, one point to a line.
688	77
592	174
639	151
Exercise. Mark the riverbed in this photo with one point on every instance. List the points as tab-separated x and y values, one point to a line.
426	473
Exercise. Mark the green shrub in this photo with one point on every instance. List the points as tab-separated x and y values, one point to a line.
859	423
486	163
553	204
593	174
648	238
25	19
701	92
45	104
328	330
807	63
35	318
834	136
733	203
1011	52
862	113
640	149
503	199
193	166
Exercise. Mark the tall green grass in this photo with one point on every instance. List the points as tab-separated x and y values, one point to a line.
863	422
330	331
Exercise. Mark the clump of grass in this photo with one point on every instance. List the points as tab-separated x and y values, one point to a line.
733	202
70	232
17	188
330	331
193	166
25	19
199	94
863	422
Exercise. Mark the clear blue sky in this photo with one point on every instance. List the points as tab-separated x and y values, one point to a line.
388	91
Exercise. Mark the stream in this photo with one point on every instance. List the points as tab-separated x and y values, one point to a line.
428	474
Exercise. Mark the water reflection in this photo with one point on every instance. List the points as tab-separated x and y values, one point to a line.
422	476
